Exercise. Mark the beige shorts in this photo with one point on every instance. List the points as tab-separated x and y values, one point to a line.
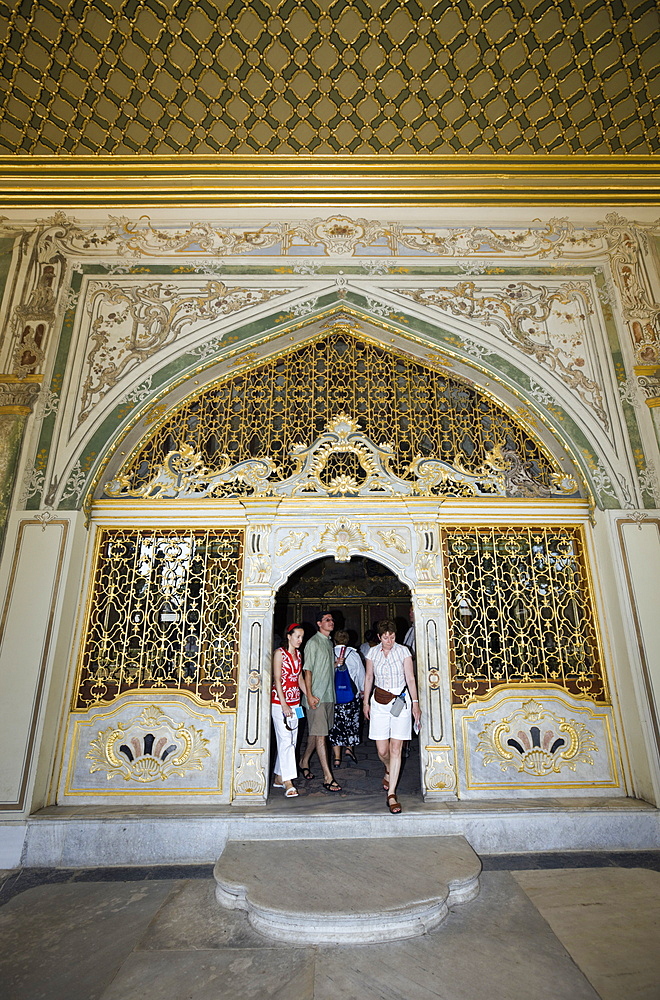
320	720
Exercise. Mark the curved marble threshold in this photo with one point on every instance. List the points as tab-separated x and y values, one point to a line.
347	891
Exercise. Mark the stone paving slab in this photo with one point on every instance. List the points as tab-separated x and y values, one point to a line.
496	948
353	890
124	941
609	920
67	942
191	920
252	974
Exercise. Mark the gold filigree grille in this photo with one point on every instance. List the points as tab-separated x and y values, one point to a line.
266	411
328	76
520	611
164	615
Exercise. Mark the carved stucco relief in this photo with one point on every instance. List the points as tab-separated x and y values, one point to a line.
128	324
546	324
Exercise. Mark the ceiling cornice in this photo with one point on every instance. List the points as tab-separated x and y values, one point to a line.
70	182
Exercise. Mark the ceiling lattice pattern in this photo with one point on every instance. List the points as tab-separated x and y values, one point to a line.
322	76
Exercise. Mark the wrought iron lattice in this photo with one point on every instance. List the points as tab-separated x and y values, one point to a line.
520	611
265	412
164	615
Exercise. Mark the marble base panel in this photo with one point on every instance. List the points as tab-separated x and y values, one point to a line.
165	748
78	838
537	743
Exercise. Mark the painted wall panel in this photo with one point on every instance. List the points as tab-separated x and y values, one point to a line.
26	631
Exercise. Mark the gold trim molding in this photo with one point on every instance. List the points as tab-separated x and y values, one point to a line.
223	180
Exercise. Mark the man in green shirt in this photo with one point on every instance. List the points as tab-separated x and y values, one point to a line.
319	678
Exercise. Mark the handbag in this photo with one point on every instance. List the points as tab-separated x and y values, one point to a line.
382	696
398	704
343	686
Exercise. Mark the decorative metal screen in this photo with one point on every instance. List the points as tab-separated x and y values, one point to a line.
264	412
520	611
164	615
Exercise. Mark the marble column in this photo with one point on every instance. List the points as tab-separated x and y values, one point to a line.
17	397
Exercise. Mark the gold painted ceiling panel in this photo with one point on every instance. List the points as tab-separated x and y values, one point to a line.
329	76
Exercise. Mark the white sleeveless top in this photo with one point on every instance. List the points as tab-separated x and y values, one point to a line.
388	670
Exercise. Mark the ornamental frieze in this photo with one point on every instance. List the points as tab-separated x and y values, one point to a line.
343	462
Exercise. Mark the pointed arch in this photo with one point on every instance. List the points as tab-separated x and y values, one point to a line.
272	409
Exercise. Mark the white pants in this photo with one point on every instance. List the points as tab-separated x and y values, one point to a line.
285	763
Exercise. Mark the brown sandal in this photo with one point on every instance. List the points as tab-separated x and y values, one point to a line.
386	782
395	806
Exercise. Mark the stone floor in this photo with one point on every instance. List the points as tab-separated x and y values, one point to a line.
549	927
570	926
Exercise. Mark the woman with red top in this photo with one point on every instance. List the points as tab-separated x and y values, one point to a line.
285	697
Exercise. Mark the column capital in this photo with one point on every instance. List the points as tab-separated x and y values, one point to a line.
18	395
648	379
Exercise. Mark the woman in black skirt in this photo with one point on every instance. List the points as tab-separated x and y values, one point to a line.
346	731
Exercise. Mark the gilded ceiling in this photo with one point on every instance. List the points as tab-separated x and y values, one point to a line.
329	76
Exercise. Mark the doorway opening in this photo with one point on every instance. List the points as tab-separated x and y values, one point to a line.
358	594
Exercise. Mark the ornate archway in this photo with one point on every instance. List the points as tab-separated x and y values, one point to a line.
252	476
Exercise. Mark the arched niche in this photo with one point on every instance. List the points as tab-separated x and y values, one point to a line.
341	482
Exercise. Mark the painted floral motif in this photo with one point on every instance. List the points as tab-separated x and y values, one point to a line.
528	317
131	323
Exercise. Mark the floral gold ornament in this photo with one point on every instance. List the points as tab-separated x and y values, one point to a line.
536	741
294	540
341	537
394	540
149	748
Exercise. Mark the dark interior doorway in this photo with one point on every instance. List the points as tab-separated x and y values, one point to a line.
358	593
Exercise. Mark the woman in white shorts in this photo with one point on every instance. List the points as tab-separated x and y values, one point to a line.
390	673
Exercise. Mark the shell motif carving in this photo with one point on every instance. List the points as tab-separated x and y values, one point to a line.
148	748
340	537
536	742
250	778
439	773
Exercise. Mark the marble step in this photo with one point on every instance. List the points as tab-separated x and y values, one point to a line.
357	891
